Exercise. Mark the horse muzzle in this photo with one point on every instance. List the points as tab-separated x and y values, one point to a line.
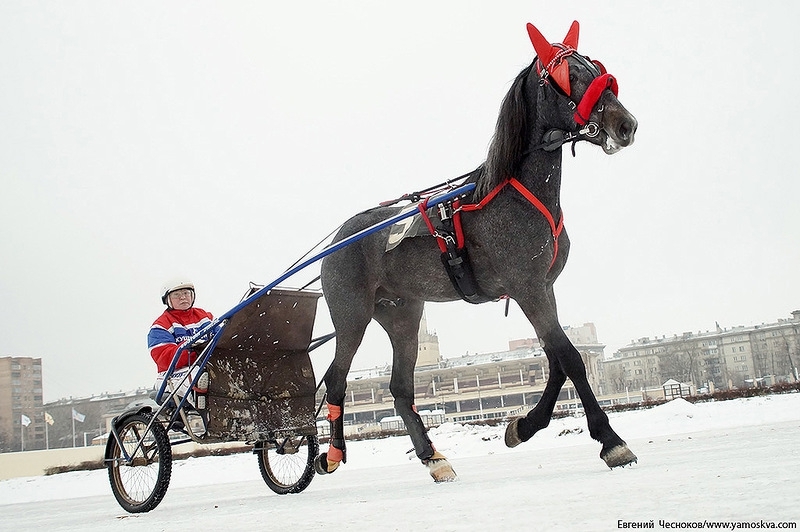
618	130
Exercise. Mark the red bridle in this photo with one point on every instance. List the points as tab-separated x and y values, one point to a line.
552	64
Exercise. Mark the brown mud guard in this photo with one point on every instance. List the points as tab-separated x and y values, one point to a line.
262	383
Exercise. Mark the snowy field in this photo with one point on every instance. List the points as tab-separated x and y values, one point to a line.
729	462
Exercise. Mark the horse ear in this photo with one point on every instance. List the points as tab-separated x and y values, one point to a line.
544	49
571	40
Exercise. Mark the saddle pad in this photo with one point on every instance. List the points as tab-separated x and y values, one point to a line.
407	227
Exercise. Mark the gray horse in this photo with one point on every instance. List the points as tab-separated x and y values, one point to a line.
512	237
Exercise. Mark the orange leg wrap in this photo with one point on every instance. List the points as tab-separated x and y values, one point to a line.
334	454
336	446
334	412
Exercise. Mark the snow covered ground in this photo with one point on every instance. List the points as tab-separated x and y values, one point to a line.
728	462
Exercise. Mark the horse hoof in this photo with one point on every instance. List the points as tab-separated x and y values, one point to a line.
512	438
439	468
619	456
323	466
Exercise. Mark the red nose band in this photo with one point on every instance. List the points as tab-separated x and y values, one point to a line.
592	95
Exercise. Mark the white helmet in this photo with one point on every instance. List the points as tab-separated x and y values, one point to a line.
172	285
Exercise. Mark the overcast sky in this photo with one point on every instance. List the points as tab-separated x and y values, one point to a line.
222	140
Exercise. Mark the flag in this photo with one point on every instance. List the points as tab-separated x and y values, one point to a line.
77	416
25	420
48	419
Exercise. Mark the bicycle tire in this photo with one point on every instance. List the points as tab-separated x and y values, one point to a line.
140	485
287	465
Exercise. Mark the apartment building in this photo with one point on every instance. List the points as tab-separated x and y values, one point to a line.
723	358
21	414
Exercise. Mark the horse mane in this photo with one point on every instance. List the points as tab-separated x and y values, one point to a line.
510	140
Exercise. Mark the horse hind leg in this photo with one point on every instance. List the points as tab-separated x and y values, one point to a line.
401	323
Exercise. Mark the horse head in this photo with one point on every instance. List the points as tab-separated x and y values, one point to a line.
588	90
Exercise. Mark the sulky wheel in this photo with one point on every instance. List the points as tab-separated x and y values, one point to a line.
287	464
139	485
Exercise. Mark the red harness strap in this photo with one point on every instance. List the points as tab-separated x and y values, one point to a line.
528	195
458	208
423	211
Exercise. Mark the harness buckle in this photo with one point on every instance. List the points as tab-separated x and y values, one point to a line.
445	210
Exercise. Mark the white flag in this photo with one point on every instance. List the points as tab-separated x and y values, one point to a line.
77	416
48	419
25	420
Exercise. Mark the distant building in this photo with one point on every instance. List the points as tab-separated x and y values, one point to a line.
428	350
96	412
21	415
723	358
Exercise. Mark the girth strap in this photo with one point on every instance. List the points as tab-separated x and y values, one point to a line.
455	258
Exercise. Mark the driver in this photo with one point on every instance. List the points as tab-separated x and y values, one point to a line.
180	321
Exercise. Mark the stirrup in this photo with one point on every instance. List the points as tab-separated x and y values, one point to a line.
202	383
200	391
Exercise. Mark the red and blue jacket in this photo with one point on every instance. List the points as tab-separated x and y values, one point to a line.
170	330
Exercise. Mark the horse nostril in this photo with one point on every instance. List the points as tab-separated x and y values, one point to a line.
627	129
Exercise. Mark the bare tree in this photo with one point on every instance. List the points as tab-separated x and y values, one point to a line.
616	377
681	361
5	442
787	346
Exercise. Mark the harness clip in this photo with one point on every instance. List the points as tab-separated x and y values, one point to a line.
445	211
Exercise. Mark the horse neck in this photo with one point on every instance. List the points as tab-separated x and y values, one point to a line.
540	172
524	116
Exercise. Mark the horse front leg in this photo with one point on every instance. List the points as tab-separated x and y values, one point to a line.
401	323
562	353
522	429
615	451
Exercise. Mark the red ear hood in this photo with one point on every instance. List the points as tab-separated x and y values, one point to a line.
571	40
544	49
547	52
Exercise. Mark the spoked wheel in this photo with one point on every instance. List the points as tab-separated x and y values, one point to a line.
140	485
287	464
